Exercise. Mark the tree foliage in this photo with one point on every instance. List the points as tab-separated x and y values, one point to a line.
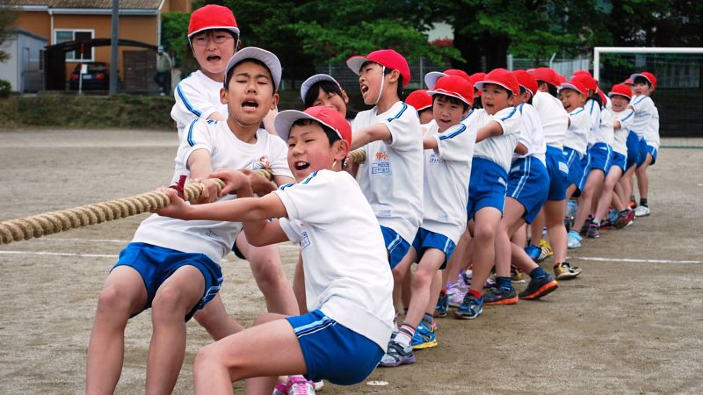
7	19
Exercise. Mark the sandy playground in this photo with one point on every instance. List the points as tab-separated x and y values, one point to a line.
633	323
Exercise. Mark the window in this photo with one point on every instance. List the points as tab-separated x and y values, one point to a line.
63	35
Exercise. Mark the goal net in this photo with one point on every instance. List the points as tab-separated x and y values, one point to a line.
679	93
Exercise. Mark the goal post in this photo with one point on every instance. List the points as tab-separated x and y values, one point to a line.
679	94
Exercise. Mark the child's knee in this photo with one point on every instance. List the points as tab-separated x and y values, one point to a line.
170	300
113	300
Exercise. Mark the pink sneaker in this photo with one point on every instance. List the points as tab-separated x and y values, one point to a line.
299	385
455	294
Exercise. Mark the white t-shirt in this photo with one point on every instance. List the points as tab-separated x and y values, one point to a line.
652	132
577	133
554	118
645	113
446	179
346	271
214	238
391	176
499	149
197	96
532	134
594	111
619	136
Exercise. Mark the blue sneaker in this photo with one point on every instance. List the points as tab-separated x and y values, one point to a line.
442	306
470	309
397	355
533	252
574	239
423	338
571	208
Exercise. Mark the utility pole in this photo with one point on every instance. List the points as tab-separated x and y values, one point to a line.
113	46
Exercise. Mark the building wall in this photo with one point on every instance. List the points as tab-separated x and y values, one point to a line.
137	28
8	70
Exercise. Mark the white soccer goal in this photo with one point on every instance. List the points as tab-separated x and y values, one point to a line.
679	94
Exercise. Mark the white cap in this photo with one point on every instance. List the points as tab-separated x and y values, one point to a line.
269	59
432	77
305	86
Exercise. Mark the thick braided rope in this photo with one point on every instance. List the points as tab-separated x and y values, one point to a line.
59	221
62	220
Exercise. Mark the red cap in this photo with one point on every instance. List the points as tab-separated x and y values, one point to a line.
584	72
432	77
454	86
476	77
603	98
586	80
547	75
646	75
501	77
385	57
211	17
526	81
562	79
327	116
620	90
629	81
575	84
419	99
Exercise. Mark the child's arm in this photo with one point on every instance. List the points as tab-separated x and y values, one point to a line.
430	142
520	149
369	134
492	128
200	167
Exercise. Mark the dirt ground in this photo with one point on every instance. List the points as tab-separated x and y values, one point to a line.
633	322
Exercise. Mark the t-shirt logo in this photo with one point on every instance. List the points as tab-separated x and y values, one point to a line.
261	163
304	240
381	165
435	159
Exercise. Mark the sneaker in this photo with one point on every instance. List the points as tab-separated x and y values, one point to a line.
500	296
568	222
516	275
641	211
571	208
539	287
606	224
533	252
594	230
280	389
397	355
319	385
566	272
633	203
455	294
470	308
574	240
442	306
546	250
586	224
299	385
423	338
613	215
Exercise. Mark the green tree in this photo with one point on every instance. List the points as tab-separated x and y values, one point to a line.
174	32
7	19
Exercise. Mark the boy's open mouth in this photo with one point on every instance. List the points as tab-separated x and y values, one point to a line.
300	165
250	103
214	58
363	89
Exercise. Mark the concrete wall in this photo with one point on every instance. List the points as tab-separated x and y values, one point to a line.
22	70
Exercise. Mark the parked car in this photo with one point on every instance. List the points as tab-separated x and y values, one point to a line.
97	77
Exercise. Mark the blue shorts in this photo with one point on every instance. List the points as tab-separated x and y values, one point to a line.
574	161
155	264
528	183
558	173
332	351
600	157
634	150
487	186
652	151
396	246
620	161
425	239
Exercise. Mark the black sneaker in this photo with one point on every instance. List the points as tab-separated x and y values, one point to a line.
538	287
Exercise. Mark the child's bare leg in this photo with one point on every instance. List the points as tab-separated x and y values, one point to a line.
520	236
554	216
214	318
643	178
435	287
123	295
628	182
400	272
421	281
595	177
406	290
459	258
177	296
265	351
536	228
267	268
606	195
570	191
485	230
299	286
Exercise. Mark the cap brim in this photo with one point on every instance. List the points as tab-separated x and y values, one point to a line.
269	59
305	86
479	85
611	94
285	119
528	89
354	63
448	93
432	77
633	76
232	29
567	85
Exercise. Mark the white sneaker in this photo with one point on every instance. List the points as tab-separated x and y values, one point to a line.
455	293
641	211
318	385
574	240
